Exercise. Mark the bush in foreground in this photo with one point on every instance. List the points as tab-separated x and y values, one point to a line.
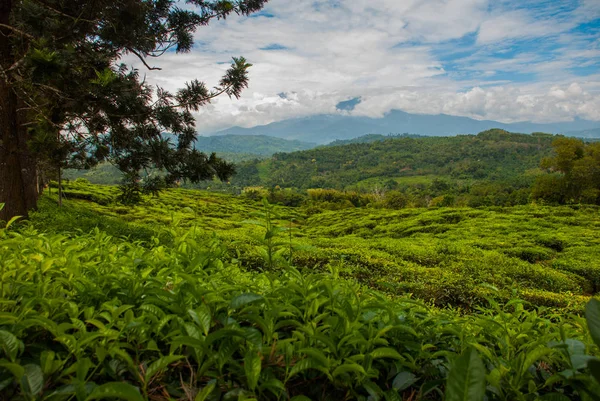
92	317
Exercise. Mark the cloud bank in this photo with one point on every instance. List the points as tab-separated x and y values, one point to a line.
505	60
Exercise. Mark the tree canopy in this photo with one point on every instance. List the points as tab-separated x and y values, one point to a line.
68	98
574	173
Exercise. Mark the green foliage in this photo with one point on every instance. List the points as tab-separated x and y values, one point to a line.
74	218
492	168
86	105
466	379
103	318
173	312
271	246
575	173
449	256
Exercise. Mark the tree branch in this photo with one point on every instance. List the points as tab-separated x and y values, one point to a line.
20	32
142	60
47	6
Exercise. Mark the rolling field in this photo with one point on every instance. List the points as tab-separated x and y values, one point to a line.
449	256
201	296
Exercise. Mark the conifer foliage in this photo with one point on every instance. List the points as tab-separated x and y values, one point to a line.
67	98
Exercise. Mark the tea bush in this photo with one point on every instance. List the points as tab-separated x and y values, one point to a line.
91	317
548	255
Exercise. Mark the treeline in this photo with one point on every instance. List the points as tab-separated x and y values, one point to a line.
438	193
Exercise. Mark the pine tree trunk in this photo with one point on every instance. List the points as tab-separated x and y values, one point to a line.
17	165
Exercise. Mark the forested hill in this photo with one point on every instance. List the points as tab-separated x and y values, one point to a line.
371	138
493	155
261	145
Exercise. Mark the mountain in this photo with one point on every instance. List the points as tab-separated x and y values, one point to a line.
326	128
260	145
588	133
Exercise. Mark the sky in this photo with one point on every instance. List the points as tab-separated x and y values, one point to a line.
503	60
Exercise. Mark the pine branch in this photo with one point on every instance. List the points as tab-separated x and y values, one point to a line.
142	60
20	32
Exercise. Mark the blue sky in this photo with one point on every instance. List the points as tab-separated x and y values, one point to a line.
506	60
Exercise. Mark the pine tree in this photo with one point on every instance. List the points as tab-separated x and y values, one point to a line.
67	100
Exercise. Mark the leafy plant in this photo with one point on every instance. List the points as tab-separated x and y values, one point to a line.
171	312
271	246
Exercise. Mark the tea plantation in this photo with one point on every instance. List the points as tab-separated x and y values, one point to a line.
203	296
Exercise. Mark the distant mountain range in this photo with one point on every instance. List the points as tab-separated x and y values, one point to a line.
322	129
588	133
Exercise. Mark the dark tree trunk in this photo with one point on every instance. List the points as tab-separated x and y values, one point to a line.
60	192
18	169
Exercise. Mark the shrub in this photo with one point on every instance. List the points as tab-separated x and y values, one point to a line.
395	200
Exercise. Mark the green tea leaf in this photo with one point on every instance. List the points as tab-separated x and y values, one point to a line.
403	380
373	389
466	379
204	318
122	391
10	344
206	391
385	353
244	299
592	315
594	366
159	365
12	221
32	381
317	355
392	395
349	368
83	366
47	362
252	368
533	356
17	370
305	364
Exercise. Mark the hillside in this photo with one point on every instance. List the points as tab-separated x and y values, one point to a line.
371	138
493	155
259	145
323	129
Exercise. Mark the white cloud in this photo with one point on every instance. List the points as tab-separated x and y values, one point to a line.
385	52
506	104
517	24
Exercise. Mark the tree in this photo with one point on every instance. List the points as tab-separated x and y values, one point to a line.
575	169
67	99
